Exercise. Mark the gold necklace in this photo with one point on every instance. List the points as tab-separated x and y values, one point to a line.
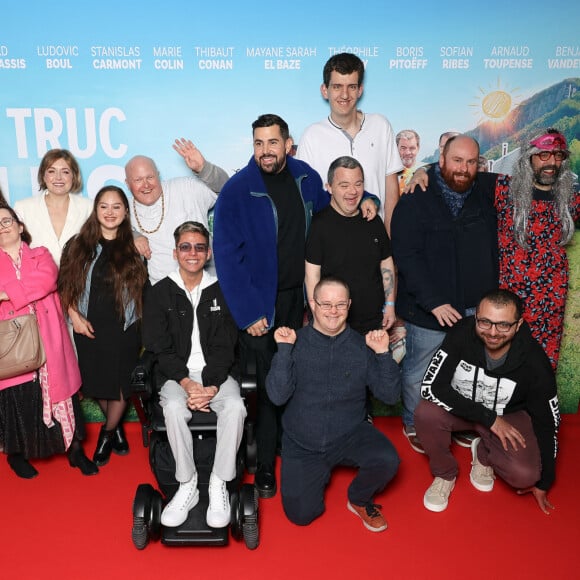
140	225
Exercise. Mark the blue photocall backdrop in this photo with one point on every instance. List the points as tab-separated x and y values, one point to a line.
110	80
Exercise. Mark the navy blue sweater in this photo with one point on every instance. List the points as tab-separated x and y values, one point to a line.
323	380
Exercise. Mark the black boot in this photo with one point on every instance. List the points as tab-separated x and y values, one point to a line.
20	466
120	443
104	447
77	458
265	480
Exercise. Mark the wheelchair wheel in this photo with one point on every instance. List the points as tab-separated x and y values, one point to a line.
251	459
250	530
236	516
147	507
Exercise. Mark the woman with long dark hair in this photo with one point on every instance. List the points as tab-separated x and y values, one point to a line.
101	285
39	411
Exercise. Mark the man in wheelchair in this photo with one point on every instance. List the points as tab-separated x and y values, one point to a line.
188	328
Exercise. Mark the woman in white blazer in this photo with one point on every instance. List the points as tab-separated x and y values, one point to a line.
58	212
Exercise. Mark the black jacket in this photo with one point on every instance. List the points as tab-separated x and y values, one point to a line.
457	380
442	259
168	326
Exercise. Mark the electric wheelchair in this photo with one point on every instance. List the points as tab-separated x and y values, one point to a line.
149	502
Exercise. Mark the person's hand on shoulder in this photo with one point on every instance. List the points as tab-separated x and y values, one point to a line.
368	209
419	178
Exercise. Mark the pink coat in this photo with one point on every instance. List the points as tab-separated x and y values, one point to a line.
38	283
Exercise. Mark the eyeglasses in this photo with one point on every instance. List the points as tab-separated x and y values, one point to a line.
558	155
330	306
486	324
186	247
7	222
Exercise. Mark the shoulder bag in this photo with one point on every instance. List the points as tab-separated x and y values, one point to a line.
21	348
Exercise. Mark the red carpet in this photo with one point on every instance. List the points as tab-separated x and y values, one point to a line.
64	525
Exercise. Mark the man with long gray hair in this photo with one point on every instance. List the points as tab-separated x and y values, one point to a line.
536	211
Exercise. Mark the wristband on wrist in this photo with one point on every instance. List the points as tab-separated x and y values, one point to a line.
389	303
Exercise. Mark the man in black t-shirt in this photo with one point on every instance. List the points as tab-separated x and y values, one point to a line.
342	243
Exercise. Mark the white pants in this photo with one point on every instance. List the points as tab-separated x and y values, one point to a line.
231	412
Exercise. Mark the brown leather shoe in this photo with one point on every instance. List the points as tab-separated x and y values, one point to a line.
370	515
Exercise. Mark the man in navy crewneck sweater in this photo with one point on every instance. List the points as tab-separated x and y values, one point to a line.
321	374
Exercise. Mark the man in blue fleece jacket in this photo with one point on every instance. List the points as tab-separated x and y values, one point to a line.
261	221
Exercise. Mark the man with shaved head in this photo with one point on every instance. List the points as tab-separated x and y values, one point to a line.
158	207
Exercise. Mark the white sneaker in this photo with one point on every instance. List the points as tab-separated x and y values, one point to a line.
436	497
481	476
186	498
218	512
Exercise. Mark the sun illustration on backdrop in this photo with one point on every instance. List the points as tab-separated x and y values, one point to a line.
495	103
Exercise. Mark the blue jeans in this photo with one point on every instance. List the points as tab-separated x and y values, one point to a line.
422	343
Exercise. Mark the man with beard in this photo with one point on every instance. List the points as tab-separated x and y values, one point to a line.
444	243
536	217
260	223
490	375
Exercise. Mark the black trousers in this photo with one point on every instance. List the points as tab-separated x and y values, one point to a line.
289	312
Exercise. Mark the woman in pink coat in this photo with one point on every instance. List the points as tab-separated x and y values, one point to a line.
39	411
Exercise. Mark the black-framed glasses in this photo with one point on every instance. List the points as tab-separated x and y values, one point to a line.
186	247
558	155
502	326
330	306
7	222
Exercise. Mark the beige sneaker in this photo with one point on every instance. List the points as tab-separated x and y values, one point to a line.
481	476
436	497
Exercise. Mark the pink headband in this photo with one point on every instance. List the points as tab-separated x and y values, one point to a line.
550	141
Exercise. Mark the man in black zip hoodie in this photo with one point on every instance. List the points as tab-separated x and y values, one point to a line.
189	329
491	376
